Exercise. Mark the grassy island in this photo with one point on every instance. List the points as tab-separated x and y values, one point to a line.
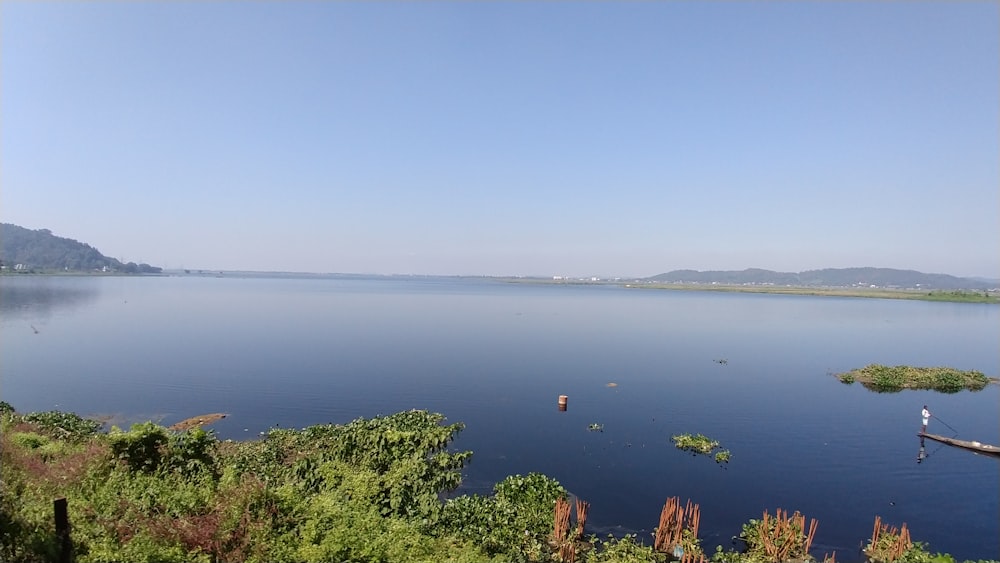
701	444
371	490
888	379
954	296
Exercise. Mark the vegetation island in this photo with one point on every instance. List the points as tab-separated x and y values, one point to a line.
372	490
891	379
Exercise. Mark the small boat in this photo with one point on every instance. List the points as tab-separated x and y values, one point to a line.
965	444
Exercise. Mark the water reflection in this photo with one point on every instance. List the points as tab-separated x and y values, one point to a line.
41	296
296	352
922	453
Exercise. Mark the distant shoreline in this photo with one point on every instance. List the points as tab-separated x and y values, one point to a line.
950	296
941	295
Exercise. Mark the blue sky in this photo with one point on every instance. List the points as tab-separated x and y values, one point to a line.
507	138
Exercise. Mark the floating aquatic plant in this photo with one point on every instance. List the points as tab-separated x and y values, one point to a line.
701	444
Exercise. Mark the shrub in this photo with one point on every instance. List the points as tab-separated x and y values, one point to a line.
29	440
515	521
624	550
885	379
777	539
193	452
142	448
949	382
63	425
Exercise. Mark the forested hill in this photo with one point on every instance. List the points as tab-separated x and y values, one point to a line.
39	251
830	277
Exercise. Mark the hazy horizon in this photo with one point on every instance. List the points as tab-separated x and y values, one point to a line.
507	139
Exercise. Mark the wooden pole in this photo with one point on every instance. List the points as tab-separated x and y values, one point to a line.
62	530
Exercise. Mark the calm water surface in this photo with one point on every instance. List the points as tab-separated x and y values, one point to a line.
294	352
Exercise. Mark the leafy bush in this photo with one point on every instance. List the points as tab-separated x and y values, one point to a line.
949	382
515	521
29	440
777	539
406	450
142	448
149	447
885	378
624	550
63	425
193	452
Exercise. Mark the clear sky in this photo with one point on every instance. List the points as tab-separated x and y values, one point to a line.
507	138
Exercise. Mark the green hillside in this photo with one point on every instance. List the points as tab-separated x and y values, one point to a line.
26	250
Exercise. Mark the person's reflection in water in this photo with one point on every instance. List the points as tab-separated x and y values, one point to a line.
923	452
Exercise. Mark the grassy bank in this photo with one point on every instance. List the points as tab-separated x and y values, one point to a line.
872	293
897	378
372	490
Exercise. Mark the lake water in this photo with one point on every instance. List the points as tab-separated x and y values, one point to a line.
292	352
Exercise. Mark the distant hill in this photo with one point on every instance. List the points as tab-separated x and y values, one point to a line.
40	250
830	277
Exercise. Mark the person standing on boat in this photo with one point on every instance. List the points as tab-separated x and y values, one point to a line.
925	415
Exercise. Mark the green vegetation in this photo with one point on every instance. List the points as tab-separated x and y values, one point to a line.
962	296
364	491
958	296
367	491
624	550
516	520
779	538
889	544
701	444
39	251
886	379
698	443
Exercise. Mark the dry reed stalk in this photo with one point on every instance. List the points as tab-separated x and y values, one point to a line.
812	533
561	521
898	547
875	531
581	516
903	542
693	517
567	552
673	520
765	537
691	558
670	520
783	525
659	538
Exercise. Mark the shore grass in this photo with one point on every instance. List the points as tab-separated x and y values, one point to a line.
960	296
888	379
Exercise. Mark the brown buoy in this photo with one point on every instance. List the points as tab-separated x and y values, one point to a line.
562	402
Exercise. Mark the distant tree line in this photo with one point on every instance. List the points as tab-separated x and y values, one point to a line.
830	277
40	250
